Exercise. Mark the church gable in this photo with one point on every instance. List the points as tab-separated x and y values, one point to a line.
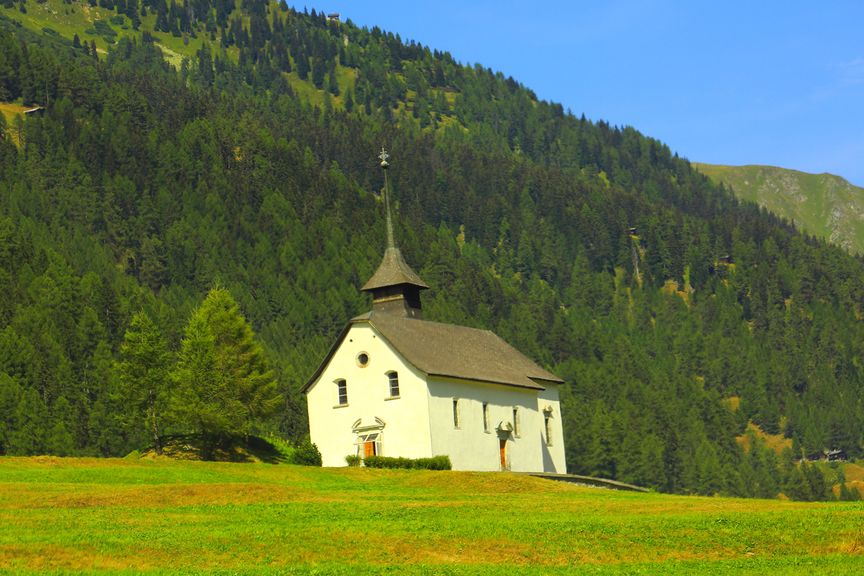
366	392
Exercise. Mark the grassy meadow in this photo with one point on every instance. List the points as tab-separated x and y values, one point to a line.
99	515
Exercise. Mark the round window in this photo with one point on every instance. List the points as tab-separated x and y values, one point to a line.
362	359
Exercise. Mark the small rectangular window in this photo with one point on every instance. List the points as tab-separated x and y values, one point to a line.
548	422
342	392
485	416
393	378
515	421
456	413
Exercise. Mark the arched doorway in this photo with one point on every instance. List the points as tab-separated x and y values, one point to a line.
505	434
367	438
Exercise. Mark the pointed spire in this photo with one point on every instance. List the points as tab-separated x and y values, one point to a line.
394	281
391	243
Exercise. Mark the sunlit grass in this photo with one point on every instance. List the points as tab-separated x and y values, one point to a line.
90	514
10	111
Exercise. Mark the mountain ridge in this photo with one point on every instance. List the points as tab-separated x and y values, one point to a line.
824	205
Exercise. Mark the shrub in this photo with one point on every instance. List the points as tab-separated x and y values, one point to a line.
387	462
434	463
353	460
283	447
306	454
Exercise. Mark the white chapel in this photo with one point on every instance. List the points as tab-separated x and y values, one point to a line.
394	384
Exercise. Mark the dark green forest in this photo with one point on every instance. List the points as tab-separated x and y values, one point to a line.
675	313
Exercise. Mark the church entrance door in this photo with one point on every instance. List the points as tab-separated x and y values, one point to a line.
502	448
369	448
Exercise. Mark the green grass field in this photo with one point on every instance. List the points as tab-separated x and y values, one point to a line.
73	515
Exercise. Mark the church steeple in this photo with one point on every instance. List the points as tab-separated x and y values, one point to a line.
395	287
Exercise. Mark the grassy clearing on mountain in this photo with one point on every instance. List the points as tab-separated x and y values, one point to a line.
161	516
66	20
104	26
824	205
307	91
776	442
10	111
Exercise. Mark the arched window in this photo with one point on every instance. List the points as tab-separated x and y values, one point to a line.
342	392
393	378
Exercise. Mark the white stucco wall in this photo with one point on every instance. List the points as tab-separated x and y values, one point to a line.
406	429
470	447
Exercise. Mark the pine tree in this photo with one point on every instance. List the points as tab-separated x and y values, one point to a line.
113	428
10	393
225	386
144	370
795	485
849	494
319	70
302	64
59	439
333	83
31	422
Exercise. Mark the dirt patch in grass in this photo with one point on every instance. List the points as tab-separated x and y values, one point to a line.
73	559
499	483
159	496
61	462
850	546
43	557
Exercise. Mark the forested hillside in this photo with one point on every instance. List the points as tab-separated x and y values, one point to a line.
675	313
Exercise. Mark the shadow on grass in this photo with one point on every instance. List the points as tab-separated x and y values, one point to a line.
217	449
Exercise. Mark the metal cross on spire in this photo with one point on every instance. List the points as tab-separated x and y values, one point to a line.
391	243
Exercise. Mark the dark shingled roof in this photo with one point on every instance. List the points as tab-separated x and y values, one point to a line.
393	271
452	351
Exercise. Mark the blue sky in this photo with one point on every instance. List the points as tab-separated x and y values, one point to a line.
778	83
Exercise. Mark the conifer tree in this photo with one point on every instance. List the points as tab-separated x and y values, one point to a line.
9	397
31	420
319	70
144	370
225	386
333	83
59	439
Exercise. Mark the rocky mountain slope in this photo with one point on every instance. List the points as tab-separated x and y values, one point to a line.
823	205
